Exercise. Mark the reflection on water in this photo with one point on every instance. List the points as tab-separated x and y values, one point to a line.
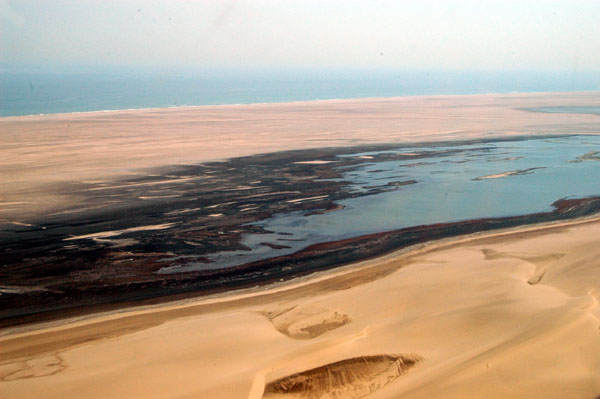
521	177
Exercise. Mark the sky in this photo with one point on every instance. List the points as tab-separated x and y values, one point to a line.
424	34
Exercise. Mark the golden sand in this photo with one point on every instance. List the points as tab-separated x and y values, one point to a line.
510	314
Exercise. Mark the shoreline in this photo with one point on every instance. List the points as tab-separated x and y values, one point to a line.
292	103
461	308
317	258
129	309
121	148
39	160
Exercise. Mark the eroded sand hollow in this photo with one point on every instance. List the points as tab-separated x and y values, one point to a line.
346	379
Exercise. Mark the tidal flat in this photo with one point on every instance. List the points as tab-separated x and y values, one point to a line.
252	220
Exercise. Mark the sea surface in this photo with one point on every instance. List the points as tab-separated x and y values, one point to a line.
32	91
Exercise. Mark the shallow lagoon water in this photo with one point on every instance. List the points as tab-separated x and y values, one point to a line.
447	190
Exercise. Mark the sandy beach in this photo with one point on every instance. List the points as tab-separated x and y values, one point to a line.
506	314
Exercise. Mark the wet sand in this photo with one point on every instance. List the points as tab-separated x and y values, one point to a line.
506	314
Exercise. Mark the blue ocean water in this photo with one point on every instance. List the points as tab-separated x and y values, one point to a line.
31	91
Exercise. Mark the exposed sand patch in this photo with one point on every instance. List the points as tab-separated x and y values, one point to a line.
317	197
588	156
183	211
115	233
346	379
509	173
11	289
155	197
540	261
306	321
21	224
31	368
315	162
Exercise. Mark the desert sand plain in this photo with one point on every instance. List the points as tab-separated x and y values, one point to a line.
512	314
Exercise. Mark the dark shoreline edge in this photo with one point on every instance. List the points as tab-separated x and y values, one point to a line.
318	257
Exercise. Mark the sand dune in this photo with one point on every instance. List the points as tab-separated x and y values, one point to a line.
454	319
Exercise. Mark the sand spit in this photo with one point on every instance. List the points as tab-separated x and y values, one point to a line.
510	173
465	309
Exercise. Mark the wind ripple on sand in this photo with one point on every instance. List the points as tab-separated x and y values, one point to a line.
347	379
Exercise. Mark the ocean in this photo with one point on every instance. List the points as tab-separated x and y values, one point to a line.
32	91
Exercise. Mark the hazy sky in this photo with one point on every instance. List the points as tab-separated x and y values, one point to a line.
561	35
